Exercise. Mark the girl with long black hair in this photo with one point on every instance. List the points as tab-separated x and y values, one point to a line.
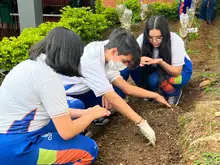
32	95
165	66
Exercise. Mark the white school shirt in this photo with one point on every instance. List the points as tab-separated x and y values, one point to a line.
177	49
97	75
30	95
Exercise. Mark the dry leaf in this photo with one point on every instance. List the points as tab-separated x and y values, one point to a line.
204	83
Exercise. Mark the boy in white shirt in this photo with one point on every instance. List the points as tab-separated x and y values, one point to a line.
100	69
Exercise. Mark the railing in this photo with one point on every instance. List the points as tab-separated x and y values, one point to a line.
44	15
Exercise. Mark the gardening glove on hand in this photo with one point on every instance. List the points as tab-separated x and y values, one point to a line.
148	132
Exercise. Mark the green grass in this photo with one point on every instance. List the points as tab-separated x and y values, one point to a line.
208	44
209	158
189	51
208	75
214	81
193	36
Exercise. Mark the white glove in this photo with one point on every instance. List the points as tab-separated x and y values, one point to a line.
148	132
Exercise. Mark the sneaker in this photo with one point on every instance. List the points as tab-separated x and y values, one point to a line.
174	100
101	121
87	133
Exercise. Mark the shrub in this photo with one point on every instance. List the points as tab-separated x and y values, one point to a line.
169	10
99	7
14	50
109	13
135	6
80	20
84	22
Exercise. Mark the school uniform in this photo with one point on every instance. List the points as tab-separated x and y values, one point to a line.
97	76
31	95
172	85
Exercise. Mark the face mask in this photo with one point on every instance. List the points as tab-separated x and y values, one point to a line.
120	65
116	66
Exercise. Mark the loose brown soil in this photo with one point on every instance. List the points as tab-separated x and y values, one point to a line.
121	143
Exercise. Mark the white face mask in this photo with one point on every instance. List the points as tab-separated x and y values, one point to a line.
116	66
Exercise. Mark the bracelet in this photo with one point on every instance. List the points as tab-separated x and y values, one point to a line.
140	121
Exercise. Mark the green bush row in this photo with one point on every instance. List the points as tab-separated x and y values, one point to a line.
169	10
109	13
135	6
81	20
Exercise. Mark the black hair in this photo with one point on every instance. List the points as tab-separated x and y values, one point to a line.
63	49
159	23
126	44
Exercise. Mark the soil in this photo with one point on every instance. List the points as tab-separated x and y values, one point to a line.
121	143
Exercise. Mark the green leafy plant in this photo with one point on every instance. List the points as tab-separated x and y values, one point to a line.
196	22
84	22
109	13
99	7
169	10
14	50
135	6
193	36
80	20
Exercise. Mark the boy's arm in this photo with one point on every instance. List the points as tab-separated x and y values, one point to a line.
121	106
137	91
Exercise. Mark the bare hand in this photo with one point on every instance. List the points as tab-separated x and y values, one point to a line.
98	112
144	61
149	61
162	100
105	103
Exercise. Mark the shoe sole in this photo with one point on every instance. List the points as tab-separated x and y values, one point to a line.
102	123
89	134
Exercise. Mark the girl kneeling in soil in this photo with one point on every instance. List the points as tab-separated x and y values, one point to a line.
165	65
32	94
